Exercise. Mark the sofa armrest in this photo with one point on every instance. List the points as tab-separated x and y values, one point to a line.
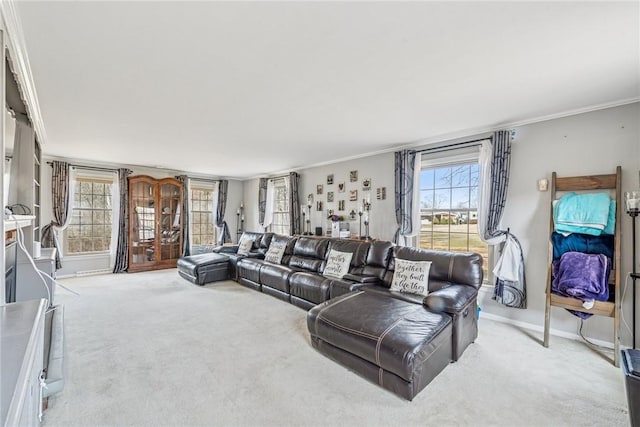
230	249
340	287
451	299
361	279
255	255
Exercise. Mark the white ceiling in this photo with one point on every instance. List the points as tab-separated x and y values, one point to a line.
239	89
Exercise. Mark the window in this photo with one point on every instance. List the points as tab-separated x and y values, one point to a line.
203	229
281	223
91	220
449	208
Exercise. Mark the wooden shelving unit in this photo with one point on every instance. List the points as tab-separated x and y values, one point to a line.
611	183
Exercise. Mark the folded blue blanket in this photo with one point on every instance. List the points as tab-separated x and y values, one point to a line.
577	242
581	276
590	213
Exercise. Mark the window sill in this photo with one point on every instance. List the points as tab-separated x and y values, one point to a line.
87	255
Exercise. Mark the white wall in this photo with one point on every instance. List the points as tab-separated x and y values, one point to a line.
74	264
584	144
379	169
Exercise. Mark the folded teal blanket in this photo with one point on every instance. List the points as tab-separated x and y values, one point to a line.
591	213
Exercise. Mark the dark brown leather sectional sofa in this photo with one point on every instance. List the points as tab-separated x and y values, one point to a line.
399	340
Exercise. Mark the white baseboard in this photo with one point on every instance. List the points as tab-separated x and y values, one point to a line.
538	328
84	273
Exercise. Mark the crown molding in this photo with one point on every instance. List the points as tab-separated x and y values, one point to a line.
461	135
15	43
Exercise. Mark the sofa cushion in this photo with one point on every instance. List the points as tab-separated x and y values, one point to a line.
249	268
263	243
446	267
309	253
245	245
377	259
359	249
275	252
310	287
338	264
276	276
411	277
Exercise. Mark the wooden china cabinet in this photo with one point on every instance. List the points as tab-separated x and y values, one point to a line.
155	223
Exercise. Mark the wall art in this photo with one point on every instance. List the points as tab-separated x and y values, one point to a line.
329	196
366	184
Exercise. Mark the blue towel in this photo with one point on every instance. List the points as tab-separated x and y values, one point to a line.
577	242
584	213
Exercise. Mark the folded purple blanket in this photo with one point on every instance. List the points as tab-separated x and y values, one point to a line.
581	276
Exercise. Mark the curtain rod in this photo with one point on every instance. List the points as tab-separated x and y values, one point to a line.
455	146
279	177
205	180
91	168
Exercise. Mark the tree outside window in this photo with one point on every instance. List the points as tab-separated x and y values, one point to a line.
91	220
449	209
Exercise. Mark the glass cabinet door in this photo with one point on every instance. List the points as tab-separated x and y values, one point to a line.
171	221
142	222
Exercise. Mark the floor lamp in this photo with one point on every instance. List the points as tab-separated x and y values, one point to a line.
632	201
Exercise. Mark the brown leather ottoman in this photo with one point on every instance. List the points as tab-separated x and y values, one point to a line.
400	345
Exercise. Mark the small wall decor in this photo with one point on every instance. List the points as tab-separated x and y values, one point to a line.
330	179
319	189
366	184
329	196
353	195
340	205
329	212
352	214
353	176
318	205
381	193
341	187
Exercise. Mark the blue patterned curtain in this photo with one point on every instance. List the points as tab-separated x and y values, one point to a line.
405	162
60	196
497	161
262	199
122	251
294	203
224	235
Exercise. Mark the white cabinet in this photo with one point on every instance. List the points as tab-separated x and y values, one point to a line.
29	285
22	342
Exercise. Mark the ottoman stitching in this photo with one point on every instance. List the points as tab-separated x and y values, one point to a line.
379	343
344	328
331	305
428	357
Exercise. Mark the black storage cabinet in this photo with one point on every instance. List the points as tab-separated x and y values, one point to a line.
631	369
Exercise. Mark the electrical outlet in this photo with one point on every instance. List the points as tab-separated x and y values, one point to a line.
543	184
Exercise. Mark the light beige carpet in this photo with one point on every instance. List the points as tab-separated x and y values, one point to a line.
151	349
